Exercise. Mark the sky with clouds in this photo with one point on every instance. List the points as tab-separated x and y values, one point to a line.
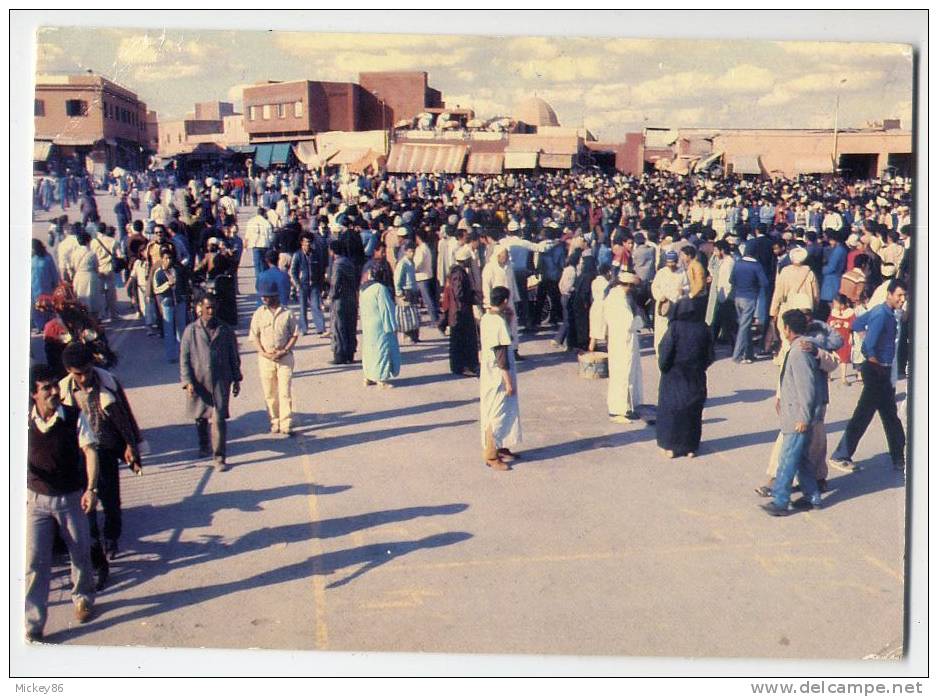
609	85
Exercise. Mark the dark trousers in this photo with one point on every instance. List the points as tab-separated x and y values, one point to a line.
878	395
902	351
522	306
219	431
109	494
823	311
547	289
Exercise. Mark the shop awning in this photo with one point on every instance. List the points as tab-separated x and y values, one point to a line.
746	164
305	152
485	163
280	154
705	163
412	158
69	141
263	155
347	156
41	150
371	158
814	165
520	160
555	160
243	149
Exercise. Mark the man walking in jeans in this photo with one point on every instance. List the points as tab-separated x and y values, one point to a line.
61	490
307	271
798	406
879	393
748	281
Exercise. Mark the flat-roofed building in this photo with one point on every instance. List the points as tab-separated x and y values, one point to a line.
87	121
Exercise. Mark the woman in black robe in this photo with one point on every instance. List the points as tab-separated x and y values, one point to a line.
343	297
463	340
685	353
580	301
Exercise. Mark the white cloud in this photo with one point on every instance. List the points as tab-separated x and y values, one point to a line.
563	68
673	87
305	44
746	78
631	46
534	47
826	50
828	82
141	50
352	62
47	55
776	97
166	72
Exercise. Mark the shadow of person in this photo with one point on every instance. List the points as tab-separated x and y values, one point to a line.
369	557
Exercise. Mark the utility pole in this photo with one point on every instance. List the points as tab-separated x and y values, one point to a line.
834	159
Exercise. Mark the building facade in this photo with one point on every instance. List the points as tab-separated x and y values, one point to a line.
399	95
88	122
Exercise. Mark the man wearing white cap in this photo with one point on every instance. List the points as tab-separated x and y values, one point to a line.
519	250
669	285
796	283
497	274
623	322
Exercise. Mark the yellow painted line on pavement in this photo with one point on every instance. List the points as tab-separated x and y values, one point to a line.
321	631
883	566
602	556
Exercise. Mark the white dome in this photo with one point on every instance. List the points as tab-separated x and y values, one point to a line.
534	111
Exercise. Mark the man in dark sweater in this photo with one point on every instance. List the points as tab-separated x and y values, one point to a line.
61	481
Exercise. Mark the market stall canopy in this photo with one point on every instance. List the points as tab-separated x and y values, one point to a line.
746	164
305	152
41	150
520	160
475	123
263	155
243	149
705	162
371	158
485	163
555	160
412	158
814	165
349	155
280	154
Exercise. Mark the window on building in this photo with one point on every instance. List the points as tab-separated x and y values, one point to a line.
179	137
107	110
281	111
76	107
252	113
39	107
297	109
267	111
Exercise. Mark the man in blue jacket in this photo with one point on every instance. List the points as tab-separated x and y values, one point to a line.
307	271
748	280
831	273
879	393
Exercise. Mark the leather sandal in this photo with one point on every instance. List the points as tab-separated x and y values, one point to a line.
763	491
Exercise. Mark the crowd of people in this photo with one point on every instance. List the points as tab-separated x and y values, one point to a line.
813	273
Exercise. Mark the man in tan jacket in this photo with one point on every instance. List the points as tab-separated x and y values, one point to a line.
794	281
696	279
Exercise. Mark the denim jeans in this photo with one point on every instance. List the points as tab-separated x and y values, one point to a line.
561	336
793	459
428	300
258	254
310	297
745	311
174	323
45	515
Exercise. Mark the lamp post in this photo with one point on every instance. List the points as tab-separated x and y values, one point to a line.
836	119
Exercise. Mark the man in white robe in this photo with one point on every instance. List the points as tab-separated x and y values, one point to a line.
500	412
670	284
624	323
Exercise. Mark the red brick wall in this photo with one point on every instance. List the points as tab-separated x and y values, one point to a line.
630	157
405	93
